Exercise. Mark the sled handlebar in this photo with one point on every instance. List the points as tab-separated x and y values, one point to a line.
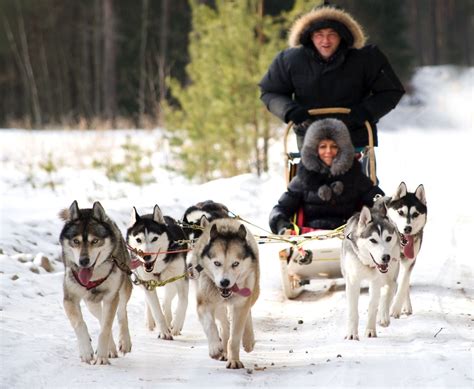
327	111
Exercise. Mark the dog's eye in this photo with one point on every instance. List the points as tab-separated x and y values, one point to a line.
76	242
401	213
154	239
388	239
373	241
139	240
94	241
415	214
217	263
235	264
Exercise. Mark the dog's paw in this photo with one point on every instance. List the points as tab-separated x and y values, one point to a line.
86	353
175	331
370	333
101	361
384	320
217	352
407	310
248	344
165	336
234	364
352	337
87	358
395	314
125	345
396	311
113	352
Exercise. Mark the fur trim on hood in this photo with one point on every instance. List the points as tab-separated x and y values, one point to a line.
302	25
332	129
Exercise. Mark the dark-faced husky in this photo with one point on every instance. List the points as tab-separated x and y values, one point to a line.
193	215
92	247
163	257
408	211
227	288
370	251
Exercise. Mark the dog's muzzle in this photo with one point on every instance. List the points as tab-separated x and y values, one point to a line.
144	261
224	289
149	265
382	267
225	292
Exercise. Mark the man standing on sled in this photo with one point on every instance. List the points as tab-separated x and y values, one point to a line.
329	65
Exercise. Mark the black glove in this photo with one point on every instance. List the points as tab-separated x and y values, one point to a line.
358	116
298	115
282	226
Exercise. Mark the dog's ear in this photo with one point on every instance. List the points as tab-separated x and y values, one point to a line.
134	217
400	192
365	217
98	211
420	194
158	215
204	221
242	233
74	211
70	214
213	233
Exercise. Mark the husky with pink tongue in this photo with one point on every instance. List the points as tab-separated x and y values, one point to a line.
225	263
94	252
161	256
408	211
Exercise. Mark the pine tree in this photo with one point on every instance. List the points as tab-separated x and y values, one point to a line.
219	122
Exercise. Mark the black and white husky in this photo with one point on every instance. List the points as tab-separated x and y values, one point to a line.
370	251
93	249
193	215
409	213
162	257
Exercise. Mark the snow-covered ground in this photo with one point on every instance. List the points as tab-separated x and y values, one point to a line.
428	141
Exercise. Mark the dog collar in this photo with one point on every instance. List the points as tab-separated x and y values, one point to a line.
92	284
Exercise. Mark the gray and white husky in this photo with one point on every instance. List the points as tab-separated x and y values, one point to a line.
92	251
409	213
163	257
370	251
228	286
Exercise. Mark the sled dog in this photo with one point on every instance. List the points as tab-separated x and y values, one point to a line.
408	212
192	216
227	288
163	257
370	251
92	249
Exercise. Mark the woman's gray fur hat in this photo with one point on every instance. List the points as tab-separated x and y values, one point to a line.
332	129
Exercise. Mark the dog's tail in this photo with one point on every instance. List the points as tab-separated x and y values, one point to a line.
64	214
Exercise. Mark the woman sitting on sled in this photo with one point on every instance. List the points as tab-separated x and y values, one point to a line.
329	186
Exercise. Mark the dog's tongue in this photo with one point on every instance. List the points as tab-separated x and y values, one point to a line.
85	275
408	249
243	292
135	263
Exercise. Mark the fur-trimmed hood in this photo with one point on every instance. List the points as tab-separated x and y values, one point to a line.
332	129
302	26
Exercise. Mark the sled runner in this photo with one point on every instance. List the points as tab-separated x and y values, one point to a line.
317	253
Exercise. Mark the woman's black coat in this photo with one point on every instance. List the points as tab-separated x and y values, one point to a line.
303	190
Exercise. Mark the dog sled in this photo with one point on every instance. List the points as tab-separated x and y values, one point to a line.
313	254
